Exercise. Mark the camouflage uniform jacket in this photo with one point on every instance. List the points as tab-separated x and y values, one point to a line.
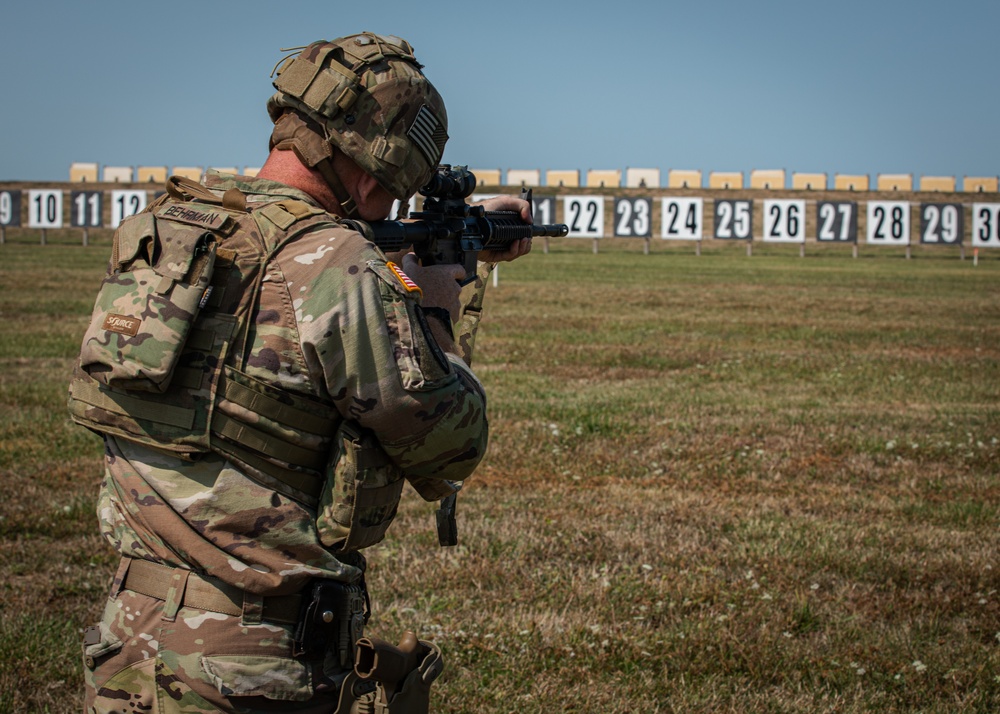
331	322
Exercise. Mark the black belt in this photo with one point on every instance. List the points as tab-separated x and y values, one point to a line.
206	593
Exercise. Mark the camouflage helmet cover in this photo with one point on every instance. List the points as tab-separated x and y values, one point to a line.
374	103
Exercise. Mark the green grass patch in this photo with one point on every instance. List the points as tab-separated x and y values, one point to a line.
715	483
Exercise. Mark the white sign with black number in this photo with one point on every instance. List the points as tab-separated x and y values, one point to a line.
85	209
633	217
784	221
986	225
889	222
584	215
683	219
45	208
125	203
734	220
837	221
942	223
10	208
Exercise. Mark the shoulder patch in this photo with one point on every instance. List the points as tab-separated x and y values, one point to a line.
404	279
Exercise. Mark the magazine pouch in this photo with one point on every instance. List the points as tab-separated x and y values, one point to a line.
360	498
157	282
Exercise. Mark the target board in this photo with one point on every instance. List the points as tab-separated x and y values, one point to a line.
543	209
784	221
45	208
126	203
10	208
942	223
734	220
986	225
888	223
633	217
584	215
85	209
683	219
837	221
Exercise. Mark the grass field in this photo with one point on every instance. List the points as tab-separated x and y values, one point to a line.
716	484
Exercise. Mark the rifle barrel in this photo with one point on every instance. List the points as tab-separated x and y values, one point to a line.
549	230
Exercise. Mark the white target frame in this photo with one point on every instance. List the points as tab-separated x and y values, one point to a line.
45	208
584	215
784	221
126	203
682	218
888	223
986	225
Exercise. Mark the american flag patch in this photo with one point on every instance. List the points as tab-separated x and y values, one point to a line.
428	134
411	287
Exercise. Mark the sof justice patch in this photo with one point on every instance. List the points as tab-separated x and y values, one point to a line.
411	287
122	324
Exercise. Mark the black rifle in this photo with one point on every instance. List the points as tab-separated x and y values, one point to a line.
448	230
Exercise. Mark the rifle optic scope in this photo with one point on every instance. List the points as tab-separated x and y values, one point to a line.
450	183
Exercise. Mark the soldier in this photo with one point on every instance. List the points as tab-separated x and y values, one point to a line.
265	380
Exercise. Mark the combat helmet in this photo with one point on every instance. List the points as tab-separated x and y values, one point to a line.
366	95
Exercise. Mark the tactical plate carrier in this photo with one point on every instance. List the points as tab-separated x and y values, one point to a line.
161	360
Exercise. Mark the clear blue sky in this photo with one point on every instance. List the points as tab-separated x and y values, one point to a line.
848	87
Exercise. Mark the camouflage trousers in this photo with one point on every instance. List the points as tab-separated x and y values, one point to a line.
139	659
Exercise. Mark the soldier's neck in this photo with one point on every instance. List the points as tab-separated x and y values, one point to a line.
285	167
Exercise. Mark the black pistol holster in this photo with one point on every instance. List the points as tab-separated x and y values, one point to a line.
333	619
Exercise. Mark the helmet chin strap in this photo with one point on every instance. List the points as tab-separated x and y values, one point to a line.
291	131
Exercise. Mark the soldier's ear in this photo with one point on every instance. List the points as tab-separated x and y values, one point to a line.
374	202
368	190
